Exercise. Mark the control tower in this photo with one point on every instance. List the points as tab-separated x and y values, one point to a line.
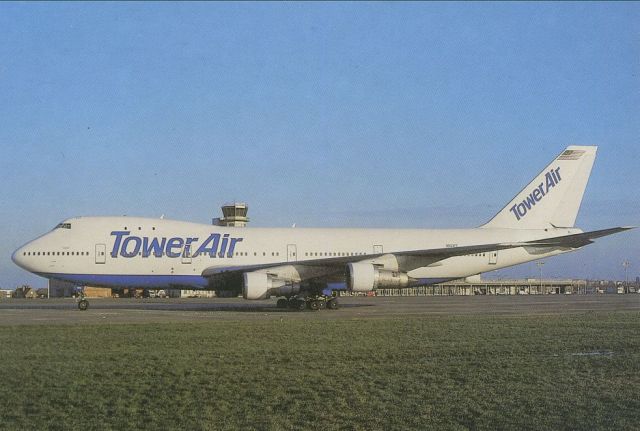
233	215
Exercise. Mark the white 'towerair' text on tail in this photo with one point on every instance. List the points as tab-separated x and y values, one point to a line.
553	198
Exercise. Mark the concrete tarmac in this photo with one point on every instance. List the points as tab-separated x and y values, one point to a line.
133	311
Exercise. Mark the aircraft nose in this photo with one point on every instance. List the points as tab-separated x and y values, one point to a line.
18	257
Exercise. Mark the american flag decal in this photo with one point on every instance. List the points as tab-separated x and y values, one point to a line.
571	155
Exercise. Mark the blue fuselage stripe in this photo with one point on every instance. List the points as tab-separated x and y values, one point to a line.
126	280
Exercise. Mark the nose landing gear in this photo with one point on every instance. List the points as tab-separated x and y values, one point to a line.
83	304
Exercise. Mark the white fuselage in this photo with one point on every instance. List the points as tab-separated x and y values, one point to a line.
156	253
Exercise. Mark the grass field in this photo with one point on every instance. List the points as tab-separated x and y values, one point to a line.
579	371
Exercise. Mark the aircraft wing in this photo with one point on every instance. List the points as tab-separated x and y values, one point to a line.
411	259
339	261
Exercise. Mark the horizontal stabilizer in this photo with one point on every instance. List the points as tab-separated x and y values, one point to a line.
577	240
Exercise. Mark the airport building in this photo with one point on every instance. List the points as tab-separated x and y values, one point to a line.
180	293
477	286
62	289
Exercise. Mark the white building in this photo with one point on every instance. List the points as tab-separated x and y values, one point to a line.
178	293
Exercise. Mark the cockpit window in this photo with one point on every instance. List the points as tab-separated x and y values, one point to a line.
64	226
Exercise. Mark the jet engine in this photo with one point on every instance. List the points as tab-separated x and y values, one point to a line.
364	277
261	285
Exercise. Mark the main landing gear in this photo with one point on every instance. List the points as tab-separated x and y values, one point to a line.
315	303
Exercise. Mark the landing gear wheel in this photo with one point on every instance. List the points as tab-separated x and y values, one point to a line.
83	304
282	303
332	304
300	304
322	303
314	305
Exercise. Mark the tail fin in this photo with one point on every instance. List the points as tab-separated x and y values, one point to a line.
553	198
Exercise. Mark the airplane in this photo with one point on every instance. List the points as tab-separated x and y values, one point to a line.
305	267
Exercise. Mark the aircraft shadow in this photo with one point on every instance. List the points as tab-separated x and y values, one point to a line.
188	307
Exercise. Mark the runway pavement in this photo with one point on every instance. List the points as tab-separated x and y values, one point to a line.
131	311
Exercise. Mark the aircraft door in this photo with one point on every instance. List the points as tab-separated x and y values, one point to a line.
292	253
186	254
101	253
493	257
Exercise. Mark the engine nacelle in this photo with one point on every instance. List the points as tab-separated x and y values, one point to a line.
260	285
365	277
256	285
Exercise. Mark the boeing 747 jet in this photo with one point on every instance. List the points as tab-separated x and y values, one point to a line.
304	267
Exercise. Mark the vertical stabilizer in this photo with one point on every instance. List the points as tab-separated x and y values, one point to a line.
553	198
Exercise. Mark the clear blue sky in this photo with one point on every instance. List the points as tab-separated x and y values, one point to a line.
321	114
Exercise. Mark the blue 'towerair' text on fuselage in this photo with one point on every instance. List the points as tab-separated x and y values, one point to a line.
215	245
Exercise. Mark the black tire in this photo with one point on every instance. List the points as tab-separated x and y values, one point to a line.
83	304
333	304
322	304
301	304
282	303
314	305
